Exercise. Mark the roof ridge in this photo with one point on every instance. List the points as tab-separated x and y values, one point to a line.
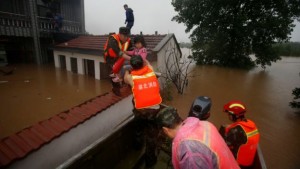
29	139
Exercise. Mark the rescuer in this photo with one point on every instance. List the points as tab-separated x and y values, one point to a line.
114	50
146	101
242	135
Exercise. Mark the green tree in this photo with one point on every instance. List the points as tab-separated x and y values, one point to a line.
226	32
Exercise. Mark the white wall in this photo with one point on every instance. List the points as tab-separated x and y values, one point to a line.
167	53
80	63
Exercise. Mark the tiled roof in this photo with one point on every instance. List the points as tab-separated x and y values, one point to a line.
97	42
20	144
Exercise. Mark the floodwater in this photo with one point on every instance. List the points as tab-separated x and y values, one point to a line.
266	94
33	93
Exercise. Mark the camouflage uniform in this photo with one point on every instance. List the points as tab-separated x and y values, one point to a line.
146	126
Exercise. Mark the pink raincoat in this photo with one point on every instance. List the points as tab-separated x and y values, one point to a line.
198	145
142	52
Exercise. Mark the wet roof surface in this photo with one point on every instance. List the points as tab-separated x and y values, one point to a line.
20	144
97	42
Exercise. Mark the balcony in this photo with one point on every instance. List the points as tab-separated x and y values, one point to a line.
12	24
47	25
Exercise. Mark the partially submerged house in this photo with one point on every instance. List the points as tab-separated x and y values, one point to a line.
84	55
87	135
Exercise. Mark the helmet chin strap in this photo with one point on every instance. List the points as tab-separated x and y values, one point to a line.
232	116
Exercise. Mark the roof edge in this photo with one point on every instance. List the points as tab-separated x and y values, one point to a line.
80	50
164	41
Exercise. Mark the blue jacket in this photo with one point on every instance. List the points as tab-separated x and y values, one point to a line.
129	15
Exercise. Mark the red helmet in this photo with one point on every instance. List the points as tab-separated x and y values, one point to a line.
235	107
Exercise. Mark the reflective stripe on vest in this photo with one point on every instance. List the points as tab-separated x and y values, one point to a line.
146	90
252	133
207	134
206	138
246	152
109	52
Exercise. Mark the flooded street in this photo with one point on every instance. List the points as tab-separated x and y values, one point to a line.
266	94
33	93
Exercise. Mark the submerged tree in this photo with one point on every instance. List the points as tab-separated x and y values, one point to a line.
296	100
226	32
175	68
295	103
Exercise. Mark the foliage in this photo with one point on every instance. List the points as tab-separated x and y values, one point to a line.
296	100
176	69
288	49
166	93
226	32
295	103
185	45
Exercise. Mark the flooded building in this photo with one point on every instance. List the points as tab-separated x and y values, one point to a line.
43	31
30	28
84	55
91	134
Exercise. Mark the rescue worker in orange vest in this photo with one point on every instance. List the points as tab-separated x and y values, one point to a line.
146	101
196	144
242	135
114	49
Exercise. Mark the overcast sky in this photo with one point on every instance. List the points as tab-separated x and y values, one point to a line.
104	16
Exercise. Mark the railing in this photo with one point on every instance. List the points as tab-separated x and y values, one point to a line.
45	24
15	20
70	26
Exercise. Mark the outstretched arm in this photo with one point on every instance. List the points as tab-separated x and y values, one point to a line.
114	45
128	78
130	52
125	56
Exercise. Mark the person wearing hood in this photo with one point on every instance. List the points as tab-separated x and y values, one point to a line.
196	144
241	136
129	17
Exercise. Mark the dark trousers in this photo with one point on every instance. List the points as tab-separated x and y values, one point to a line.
129	25
110	61
145	125
115	86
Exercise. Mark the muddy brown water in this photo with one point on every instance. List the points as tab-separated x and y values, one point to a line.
266	94
33	93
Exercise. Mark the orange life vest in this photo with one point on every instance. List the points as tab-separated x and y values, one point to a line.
110	52
145	88
246	153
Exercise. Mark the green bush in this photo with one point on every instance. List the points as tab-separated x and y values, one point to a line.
166	93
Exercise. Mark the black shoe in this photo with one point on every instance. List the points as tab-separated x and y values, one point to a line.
150	161
138	141
116	91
